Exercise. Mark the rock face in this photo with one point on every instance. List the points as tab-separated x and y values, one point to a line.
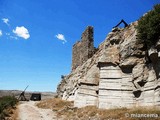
121	73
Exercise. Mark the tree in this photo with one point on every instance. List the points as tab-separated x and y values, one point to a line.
149	26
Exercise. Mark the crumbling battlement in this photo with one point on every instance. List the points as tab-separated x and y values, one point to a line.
84	49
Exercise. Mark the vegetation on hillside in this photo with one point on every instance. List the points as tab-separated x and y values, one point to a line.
149	26
6	103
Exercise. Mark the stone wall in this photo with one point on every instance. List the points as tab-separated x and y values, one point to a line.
84	49
115	87
86	95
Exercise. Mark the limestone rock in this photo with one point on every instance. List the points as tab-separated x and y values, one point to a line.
121	73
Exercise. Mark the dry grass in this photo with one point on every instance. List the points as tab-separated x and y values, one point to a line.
14	116
66	110
11	113
55	104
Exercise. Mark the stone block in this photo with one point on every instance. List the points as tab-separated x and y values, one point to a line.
110	74
127	94
90	87
110	80
109	67
82	100
149	93
87	92
110	85
110	93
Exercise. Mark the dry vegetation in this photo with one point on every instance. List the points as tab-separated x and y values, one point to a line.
65	110
7	107
55	104
12	114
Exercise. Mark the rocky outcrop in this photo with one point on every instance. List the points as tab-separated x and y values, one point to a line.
121	73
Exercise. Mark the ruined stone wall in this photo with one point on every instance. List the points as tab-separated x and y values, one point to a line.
76	55
84	49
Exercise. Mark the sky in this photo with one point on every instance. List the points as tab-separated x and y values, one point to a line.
36	36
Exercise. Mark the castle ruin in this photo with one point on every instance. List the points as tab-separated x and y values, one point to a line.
121	73
84	49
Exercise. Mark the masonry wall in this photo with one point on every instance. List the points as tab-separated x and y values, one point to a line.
115	87
76	55
86	95
84	49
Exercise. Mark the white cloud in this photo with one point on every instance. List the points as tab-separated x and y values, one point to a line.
61	37
5	20
8	34
13	37
22	32
1	33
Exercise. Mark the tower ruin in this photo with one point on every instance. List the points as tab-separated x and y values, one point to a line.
84	49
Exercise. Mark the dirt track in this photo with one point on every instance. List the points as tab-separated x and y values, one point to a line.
29	111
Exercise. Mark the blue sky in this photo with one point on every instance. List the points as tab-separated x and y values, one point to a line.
36	36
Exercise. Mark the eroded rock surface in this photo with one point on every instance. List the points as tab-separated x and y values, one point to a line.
121	73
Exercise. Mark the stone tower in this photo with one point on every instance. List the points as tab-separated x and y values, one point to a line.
84	49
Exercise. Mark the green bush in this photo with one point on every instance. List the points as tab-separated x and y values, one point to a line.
149	26
5	103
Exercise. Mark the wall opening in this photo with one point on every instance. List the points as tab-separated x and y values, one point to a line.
127	69
137	93
142	83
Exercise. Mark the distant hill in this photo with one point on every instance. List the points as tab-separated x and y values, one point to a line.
16	93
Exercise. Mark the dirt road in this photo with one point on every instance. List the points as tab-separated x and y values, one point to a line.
29	111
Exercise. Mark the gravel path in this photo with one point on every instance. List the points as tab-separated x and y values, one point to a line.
29	111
